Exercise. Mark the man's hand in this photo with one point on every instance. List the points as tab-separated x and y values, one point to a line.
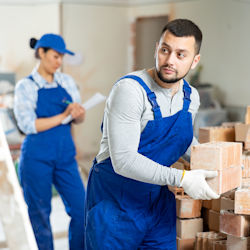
195	185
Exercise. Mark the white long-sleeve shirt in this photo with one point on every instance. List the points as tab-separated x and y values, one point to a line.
126	115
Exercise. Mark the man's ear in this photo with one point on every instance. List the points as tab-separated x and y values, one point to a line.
156	48
196	61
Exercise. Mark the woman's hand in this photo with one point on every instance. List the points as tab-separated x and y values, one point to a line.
76	111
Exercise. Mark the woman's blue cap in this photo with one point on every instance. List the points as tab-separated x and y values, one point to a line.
54	42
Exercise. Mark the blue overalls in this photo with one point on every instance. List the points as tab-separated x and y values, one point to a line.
123	213
49	157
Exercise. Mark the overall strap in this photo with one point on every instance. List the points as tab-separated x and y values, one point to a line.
187	92
32	79
151	95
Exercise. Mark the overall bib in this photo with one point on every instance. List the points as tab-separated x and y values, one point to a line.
123	213
49	157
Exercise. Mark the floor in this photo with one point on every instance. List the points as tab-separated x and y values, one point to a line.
59	222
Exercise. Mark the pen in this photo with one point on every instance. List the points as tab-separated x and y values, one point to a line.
67	102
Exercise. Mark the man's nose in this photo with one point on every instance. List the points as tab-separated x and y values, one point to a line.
170	59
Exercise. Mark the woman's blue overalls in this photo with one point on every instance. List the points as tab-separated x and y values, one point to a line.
49	157
123	213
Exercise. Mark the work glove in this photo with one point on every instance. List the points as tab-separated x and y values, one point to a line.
195	185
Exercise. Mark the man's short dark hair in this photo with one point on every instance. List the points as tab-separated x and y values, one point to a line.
185	27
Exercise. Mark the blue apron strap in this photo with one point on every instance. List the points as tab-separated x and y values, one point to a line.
187	92
151	95
32	79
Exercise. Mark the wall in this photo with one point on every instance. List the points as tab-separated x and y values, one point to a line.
18	23
225	46
100	35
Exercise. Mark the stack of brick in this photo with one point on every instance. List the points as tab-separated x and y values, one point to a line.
188	213
225	157
242	131
209	134
206	240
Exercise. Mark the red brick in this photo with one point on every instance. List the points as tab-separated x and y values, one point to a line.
242	134
216	205
187	207
246	164
242	201
210	134
187	228
216	155
226	180
185	244
247	117
235	243
207	204
220	245
214	221
226	203
233	224
176	190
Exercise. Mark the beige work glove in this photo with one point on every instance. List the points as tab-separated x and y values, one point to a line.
195	185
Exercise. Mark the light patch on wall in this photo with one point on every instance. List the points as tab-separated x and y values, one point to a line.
74	60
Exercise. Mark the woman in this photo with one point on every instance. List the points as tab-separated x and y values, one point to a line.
42	101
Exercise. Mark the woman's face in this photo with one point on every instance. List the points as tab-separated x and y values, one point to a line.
51	60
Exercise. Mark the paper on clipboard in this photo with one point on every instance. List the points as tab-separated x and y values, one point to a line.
90	103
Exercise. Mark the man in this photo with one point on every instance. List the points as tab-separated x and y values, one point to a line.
147	126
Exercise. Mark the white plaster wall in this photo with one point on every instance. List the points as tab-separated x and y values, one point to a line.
100	35
17	25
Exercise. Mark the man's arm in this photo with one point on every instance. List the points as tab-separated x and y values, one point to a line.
124	111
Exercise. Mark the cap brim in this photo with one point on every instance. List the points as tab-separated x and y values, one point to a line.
64	51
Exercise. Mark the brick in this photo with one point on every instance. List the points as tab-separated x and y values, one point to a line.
187	228
247	117
242	201
226	204
229	124
176	190
178	165
216	155
210	134
204	240
235	243
242	134
233	224
245	183
216	205
185	244
187	207
214	221
220	245
246	164
207	204
227	180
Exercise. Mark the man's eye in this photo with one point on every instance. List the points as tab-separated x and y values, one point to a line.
181	55
164	50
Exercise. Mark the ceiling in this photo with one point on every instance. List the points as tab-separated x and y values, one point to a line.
94	2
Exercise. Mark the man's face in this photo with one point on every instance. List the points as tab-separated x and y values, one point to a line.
175	56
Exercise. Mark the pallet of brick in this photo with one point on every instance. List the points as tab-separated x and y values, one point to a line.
246	165
234	224
241	243
186	207
242	201
185	244
214	221
209	134
188	228
247	117
226	157
242	134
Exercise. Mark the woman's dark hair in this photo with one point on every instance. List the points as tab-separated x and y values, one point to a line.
33	42
185	27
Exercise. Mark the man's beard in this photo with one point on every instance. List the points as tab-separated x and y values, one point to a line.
169	81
